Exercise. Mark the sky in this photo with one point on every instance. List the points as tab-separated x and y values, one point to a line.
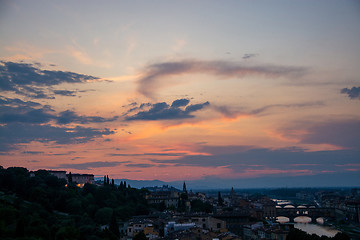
231	91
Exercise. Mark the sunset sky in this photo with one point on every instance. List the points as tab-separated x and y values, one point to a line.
182	90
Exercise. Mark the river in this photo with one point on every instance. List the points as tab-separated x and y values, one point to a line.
304	224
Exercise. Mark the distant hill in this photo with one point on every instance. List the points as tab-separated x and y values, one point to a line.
347	179
141	183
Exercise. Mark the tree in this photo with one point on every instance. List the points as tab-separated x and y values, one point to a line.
20	228
112	182
114	227
104	180
220	200
107	180
140	236
70	178
341	236
103	215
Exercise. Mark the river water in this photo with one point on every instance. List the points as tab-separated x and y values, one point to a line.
304	224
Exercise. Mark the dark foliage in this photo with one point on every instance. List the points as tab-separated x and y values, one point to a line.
42	207
200	206
140	236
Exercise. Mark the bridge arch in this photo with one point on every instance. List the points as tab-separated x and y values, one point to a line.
282	219
313	213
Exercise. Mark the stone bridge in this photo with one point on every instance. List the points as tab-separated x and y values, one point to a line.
311	212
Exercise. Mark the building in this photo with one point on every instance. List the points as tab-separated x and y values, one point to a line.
170	198
136	226
260	231
81	179
269	208
58	174
175	227
209	223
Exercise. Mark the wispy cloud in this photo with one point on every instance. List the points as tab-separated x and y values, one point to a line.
294	105
231	112
249	55
33	152
140	165
144	154
154	75
89	165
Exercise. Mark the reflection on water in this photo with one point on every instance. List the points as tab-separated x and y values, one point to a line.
317	229
282	202
303	223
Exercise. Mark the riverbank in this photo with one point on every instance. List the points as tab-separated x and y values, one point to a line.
352	230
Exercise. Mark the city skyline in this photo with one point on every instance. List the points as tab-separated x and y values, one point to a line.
261	92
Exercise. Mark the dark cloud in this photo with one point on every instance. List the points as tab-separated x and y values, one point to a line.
24	114
180	103
353	93
68	116
244	159
33	152
29	80
343	133
62	154
249	55
140	165
88	165
13	134
17	102
33	161
16	110
154	74
144	154
67	93
164	111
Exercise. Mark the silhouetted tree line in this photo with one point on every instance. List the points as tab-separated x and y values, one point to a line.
42	207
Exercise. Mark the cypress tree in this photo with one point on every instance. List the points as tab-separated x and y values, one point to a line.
220	200
70	178
184	188
112	182
104	180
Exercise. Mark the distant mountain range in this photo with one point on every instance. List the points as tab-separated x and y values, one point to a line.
348	179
